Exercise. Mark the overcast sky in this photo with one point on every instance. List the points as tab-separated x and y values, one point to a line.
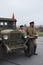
24	10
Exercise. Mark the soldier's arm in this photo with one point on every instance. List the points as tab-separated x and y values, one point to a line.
35	34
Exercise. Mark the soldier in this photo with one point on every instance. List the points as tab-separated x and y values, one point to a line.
32	32
24	34
22	30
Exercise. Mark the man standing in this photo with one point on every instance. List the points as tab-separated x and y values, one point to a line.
32	32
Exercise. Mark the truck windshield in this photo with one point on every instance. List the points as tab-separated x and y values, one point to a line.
6	24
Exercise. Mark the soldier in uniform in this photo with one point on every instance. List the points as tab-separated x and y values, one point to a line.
32	32
22	30
24	34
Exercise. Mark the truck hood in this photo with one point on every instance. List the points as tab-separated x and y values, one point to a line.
7	31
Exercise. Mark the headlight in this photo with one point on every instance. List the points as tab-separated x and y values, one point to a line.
5	37
25	37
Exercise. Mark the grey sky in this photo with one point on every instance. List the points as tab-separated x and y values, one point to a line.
24	10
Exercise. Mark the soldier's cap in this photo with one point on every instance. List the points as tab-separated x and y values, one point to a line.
21	26
32	22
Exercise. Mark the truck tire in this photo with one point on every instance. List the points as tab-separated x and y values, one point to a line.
4	50
30	49
0	51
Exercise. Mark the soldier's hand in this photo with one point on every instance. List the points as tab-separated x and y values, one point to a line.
35	36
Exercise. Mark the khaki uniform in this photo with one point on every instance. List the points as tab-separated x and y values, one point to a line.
32	32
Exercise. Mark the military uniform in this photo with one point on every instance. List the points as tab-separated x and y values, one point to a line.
23	32
32	32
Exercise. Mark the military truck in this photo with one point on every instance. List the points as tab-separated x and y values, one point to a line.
11	39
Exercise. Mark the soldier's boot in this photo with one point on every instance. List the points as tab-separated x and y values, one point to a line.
35	50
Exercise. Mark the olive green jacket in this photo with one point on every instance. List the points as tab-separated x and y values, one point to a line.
23	32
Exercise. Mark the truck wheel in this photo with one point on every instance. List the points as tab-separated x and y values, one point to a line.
30	49
0	51
4	50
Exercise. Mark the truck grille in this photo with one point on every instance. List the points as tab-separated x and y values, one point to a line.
15	38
